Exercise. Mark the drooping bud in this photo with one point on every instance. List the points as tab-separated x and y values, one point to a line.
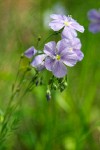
30	52
22	56
28	68
39	81
62	86
48	94
39	38
54	86
65	84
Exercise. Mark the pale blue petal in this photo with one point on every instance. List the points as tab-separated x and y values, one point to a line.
70	59
76	43
61	45
56	16
59	69
79	54
49	62
76	26
38	60
56	25
69	33
73	43
41	66
50	48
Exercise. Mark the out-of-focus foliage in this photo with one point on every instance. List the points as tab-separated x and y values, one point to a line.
71	120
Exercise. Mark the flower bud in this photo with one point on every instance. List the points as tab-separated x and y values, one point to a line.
48	95
54	86
65	84
28	68
62	88
39	38
22	56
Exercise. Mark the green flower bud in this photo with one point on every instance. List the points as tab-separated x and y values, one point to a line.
48	95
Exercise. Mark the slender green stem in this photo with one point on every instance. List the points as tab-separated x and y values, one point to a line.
54	33
22	78
6	117
10	108
31	83
17	74
38	40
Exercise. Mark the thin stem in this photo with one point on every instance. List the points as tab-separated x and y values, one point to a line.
38	40
10	108
54	33
22	78
6	116
26	90
17	73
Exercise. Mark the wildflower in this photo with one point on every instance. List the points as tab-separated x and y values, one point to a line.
75	46
38	62
70	25
57	57
94	17
30	52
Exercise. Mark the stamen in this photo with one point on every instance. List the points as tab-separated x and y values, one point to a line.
58	57
66	23
70	48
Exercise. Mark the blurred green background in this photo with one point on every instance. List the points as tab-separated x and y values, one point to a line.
71	120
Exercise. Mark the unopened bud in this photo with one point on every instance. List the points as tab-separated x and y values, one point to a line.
60	80
62	87
50	81
48	95
28	68
40	81
65	84
54	86
39	38
22	56
37	83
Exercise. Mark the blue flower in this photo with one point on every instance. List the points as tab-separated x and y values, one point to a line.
58	57
70	25
75	46
94	17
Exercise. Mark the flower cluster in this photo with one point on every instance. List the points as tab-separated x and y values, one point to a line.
55	57
94	17
66	52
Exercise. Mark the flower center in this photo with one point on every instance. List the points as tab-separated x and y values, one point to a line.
58	57
70	48
67	23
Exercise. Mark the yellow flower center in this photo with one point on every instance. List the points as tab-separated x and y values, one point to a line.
70	49
58	57
66	23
